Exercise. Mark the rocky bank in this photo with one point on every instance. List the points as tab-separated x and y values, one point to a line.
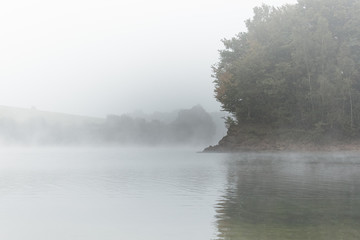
261	138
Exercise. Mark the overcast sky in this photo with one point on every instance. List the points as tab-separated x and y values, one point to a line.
98	57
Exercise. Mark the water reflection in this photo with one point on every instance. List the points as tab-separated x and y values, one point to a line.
289	196
108	193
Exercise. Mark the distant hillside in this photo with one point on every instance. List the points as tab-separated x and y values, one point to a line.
31	126
23	115
190	127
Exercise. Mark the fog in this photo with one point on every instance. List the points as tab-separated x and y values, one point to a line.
114	72
185	127
103	106
95	58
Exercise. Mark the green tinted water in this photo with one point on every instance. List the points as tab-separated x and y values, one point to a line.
291	196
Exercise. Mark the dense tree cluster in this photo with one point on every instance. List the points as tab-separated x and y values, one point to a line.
297	66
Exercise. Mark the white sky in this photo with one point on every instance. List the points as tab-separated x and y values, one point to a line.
95	57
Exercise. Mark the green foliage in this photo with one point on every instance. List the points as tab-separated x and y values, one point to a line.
229	121
296	66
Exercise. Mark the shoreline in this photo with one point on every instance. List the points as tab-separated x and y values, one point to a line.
292	148
286	140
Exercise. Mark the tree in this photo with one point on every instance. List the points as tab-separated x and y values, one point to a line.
296	66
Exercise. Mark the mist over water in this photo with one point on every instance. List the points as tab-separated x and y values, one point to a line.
93	167
192	127
175	193
108	193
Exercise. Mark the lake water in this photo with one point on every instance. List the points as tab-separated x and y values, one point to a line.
135	194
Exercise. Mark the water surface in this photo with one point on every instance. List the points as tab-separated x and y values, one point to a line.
112	193
108	193
291	196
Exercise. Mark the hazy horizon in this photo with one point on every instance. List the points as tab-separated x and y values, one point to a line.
94	58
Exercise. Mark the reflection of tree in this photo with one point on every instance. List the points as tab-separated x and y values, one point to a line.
268	197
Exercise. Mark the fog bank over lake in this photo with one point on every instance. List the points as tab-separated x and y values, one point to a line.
192	126
174	193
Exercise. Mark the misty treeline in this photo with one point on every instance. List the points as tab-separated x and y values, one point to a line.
190	126
296	66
